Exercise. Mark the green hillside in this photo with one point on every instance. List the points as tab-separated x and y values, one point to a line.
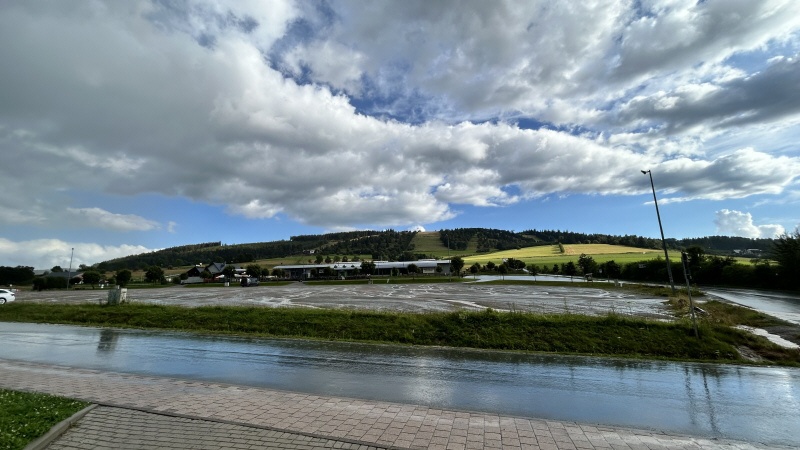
474	244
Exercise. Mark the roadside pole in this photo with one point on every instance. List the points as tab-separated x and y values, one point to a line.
687	275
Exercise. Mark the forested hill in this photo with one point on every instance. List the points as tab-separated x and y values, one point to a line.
711	244
389	245
398	246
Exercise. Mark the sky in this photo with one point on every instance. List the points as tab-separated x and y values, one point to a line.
127	127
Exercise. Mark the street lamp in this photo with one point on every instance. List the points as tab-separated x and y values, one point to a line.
663	242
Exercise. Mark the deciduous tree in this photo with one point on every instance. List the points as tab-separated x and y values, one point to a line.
254	270
456	263
368	267
587	264
533	269
91	277
123	277
154	274
570	269
229	271
786	251
503	269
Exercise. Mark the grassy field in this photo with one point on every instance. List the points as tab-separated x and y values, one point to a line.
550	254
572	334
428	242
25	416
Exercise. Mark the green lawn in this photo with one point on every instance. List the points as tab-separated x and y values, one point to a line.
26	416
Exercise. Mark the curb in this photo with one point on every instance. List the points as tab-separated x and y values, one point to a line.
58	429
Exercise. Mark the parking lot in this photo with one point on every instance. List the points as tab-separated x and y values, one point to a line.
387	297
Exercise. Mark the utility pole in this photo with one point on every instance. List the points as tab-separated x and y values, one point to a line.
69	271
688	275
450	270
663	241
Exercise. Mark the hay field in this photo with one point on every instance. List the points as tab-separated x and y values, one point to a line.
550	254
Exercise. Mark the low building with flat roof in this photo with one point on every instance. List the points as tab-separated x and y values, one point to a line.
385	268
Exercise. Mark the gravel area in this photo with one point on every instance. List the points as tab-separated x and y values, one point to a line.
388	297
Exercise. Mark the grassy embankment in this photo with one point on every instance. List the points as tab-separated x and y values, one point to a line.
572	334
26	416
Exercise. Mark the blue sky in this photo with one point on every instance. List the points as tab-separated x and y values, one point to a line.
132	126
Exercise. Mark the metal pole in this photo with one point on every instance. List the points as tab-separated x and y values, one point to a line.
663	241
69	271
686	275
450	270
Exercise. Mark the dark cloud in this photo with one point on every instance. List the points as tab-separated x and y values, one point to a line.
763	97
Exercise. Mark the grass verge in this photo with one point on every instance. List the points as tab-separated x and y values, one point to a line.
574	334
25	416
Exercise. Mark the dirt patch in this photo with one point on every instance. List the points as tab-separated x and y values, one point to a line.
749	354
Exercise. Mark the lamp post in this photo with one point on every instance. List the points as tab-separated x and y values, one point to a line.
663	241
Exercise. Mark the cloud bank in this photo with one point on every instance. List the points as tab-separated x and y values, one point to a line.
47	253
387	114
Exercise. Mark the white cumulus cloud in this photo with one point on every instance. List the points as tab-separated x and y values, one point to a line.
737	223
46	253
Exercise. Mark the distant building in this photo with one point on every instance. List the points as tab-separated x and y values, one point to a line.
748	252
305	271
214	268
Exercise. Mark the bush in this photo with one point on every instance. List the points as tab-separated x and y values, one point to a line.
39	284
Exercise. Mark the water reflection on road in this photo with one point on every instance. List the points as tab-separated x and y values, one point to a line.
778	304
752	403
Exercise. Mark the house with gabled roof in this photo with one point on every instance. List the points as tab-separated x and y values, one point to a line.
214	268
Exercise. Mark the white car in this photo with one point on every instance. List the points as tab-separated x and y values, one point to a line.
6	296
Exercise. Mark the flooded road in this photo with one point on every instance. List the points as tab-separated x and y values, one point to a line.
777	304
389	297
756	404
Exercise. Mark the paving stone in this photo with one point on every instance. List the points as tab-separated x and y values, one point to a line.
139	412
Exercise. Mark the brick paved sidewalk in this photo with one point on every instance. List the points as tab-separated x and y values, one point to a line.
380	424
107	427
